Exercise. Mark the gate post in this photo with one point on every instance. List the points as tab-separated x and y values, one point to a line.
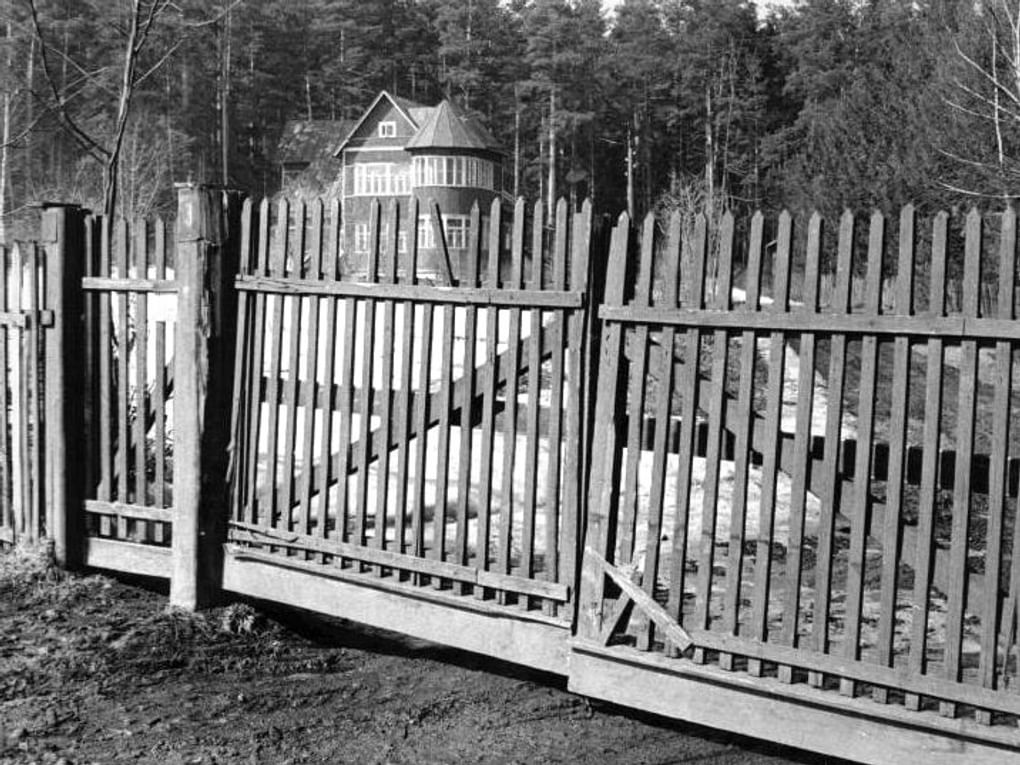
63	239
206	262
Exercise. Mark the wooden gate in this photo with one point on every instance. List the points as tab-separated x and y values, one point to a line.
130	304
794	505
22	508
413	437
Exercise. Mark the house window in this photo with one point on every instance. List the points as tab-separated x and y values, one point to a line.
387	129
453	171
361	238
457	229
377	179
401	241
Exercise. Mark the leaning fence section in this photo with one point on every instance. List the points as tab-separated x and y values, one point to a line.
130	309
22	504
413	430
820	493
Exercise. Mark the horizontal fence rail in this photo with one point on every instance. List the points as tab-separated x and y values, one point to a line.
406	430
820	493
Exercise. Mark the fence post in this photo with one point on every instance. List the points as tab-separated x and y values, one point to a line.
63	239
206	261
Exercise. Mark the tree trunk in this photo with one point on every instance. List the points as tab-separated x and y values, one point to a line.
225	107
517	143
630	170
5	139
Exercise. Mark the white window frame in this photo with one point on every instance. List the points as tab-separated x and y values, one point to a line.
454	171
381	179
387	129
362	238
457	229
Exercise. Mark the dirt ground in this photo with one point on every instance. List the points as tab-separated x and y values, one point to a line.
94	670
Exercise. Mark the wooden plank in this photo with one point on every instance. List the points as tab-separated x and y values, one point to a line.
134	284
578	384
488	385
243	377
7	506
468	278
123	381
159	397
256	370
797	715
368	338
663	402
141	258
132	558
17	399
637	371
773	416
928	495
294	267
423	414
90	436
856	560
506	509
439	517
897	451
789	634
277	266
1001	411
130	511
965	422
405	414
312	340
386	425
250	534
530	639
673	632
107	384
693	296
742	446
534	393
553	482
455	295
605	454
33	373
948	327
716	400
329	360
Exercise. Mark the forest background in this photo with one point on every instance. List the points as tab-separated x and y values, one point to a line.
712	104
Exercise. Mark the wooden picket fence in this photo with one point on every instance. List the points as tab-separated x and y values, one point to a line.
130	308
22	512
789	562
408	431
603	453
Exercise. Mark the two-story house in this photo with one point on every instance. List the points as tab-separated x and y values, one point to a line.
403	150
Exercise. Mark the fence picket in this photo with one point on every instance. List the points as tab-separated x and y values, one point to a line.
106	383
1001	411
257	373
713	454
385	393
405	422
123	381
277	267
965	416
489	392
326	403
862	464
294	265
469	278
534	392
742	445
801	444
904	289
506	510
141	253
927	497
314	272
773	414
692	296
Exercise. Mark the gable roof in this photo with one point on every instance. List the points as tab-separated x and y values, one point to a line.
309	140
405	106
449	127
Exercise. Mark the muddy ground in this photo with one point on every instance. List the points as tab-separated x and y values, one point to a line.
94	670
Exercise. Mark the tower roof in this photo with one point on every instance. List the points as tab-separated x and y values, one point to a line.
449	127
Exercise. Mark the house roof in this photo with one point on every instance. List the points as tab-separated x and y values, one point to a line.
310	140
449	127
405	106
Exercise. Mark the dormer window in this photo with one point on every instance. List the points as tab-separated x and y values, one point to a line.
387	129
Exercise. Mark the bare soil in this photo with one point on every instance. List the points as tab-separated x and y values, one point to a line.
95	670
